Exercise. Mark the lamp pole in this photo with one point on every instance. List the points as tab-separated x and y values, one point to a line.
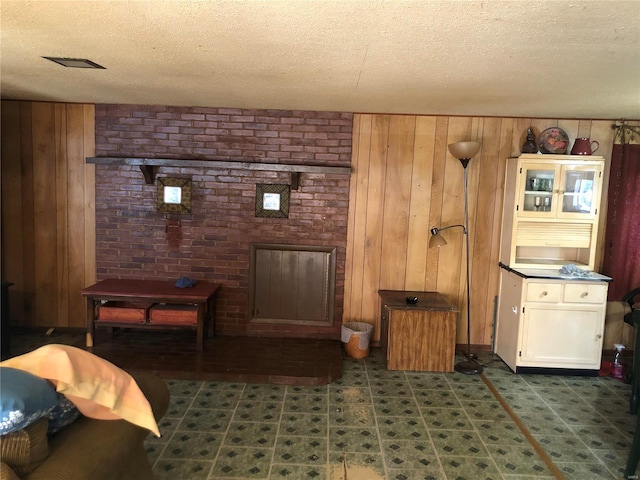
468	366
463	151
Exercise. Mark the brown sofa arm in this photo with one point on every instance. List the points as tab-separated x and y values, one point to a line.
156	391
7	473
92	449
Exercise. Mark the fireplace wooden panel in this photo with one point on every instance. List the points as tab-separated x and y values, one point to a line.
292	284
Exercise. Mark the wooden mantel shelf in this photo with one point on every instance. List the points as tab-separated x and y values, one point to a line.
148	166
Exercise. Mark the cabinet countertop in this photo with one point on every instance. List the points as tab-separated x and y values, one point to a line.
426	300
554	274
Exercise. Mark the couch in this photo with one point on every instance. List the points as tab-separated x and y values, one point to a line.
88	449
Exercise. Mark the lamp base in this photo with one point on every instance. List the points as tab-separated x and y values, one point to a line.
468	367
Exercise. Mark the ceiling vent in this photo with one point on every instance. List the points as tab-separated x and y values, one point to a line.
75	62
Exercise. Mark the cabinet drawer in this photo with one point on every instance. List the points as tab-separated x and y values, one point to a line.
544	292
587	293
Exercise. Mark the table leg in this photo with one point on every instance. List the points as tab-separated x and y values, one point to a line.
211	316
91	316
200	326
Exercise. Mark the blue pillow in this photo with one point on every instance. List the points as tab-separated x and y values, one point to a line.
63	414
25	398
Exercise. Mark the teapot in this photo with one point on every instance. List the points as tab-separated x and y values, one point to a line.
584	146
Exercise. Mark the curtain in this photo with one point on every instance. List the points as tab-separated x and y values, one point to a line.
622	236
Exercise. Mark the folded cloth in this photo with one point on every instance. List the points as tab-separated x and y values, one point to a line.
185	282
574	271
98	388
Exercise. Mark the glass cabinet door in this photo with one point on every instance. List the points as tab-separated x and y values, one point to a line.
578	191
539	183
558	191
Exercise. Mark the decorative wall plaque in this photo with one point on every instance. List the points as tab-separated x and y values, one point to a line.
272	201
174	195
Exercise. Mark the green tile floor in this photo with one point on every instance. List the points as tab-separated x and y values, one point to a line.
378	424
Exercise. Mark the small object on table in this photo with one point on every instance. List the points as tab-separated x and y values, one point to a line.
185	282
529	146
584	146
553	140
574	271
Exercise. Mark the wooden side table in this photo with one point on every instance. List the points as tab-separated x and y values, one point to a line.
420	336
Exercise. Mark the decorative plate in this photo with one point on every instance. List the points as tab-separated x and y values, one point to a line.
553	140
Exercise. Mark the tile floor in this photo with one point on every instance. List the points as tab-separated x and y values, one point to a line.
378	424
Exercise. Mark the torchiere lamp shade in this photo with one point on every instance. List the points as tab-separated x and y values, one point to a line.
462	150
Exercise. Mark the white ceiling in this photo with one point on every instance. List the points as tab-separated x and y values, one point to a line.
523	58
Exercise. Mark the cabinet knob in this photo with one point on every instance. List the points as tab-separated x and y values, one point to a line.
545	293
599	336
584	294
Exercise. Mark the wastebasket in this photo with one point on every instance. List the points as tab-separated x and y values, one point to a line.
356	337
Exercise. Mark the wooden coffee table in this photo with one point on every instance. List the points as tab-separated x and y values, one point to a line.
202	295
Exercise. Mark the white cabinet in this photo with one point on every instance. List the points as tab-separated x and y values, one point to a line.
547	322
551	211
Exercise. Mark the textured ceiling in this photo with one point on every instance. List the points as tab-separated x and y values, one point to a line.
544	58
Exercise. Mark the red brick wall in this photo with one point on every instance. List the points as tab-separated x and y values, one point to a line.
213	242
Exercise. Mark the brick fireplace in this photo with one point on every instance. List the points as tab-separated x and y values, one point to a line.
213	242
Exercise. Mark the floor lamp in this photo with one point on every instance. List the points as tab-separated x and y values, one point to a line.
463	151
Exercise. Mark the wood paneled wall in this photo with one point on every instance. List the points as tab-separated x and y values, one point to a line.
48	214
404	182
